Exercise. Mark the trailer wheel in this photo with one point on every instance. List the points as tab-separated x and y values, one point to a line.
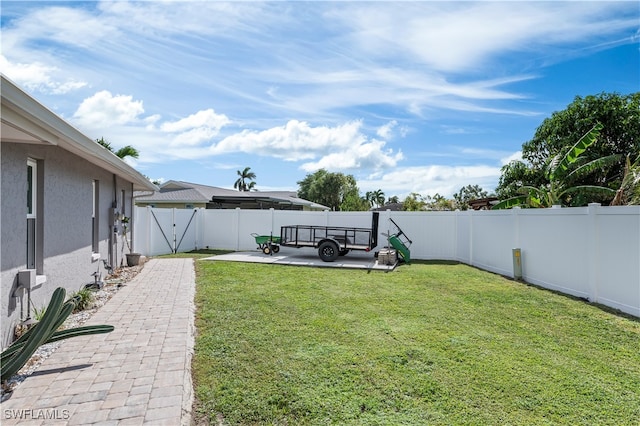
343	252
328	251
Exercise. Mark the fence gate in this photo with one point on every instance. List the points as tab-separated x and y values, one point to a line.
177	230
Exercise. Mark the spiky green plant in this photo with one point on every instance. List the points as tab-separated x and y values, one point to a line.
38	313
16	356
83	299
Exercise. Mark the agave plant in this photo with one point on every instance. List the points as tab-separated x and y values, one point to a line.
561	172
45	331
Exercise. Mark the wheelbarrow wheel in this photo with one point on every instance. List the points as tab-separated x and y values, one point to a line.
275	248
266	250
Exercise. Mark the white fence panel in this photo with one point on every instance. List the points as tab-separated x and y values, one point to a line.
492	241
159	231
293	217
220	229
162	231
617	270
462	241
554	247
186	229
432	234
591	252
254	221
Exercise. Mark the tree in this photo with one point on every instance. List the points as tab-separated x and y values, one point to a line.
440	203
125	151
466	194
514	176
414	202
329	189
620	116
245	175
562	171
353	202
629	191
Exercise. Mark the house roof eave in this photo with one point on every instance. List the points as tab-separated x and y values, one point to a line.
25	114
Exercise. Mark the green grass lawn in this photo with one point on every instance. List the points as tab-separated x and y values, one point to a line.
425	344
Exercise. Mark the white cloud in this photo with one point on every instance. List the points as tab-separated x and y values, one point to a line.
434	179
295	141
341	147
36	76
73	26
386	131
201	119
456	36
363	156
104	110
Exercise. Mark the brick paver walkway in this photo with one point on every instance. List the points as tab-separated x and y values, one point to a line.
138	374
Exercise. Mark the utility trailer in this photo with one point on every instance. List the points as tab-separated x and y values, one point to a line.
331	241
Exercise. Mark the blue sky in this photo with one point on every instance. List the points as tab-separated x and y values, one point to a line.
422	97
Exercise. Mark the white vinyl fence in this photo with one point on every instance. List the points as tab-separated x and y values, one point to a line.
590	252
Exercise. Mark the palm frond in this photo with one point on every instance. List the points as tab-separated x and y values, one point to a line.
127	151
576	150
511	202
589	190
598	163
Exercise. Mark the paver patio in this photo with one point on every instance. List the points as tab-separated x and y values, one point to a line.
138	374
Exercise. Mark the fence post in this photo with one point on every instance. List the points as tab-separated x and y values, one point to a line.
173	230
383	227
471	214
148	218
594	239
273	219
516	243
237	226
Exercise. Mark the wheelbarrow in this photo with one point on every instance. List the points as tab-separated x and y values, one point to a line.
267	243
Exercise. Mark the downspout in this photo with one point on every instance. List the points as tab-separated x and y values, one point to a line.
132	224
113	261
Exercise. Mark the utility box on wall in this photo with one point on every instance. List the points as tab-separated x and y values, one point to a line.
27	279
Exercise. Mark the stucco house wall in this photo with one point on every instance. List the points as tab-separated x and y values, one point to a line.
65	255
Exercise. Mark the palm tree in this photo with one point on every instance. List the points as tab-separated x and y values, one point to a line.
377	197
244	175
368	197
125	151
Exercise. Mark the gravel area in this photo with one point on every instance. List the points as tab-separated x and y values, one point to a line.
112	283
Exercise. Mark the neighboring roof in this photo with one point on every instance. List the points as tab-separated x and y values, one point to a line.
187	192
25	120
396	207
483	203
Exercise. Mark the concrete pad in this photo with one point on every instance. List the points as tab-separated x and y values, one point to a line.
307	257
